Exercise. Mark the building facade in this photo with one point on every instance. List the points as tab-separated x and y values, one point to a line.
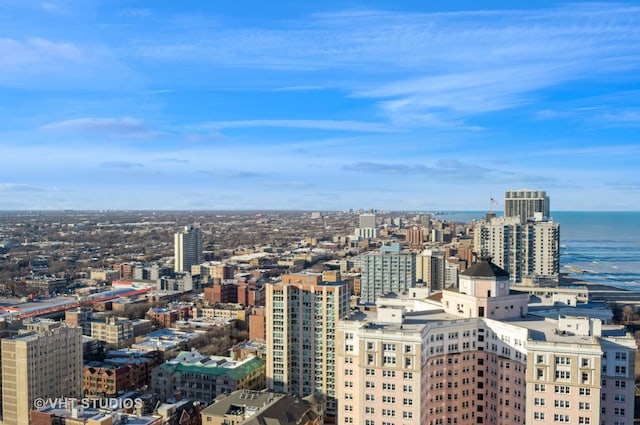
194	376
187	249
388	271
480	357
526	250
43	362
525	203
301	317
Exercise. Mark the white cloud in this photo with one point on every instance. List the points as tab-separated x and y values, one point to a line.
357	126
125	126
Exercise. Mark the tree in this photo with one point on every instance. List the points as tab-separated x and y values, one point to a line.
627	313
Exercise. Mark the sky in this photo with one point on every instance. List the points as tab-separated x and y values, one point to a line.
318	105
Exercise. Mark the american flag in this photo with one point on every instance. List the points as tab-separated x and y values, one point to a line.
494	202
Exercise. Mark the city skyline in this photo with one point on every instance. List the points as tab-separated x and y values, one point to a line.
331	106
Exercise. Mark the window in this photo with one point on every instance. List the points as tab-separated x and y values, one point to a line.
585	391
563	374
618	411
408	375
370	397
584	420
538	416
584	406
370	372
561	404
407	415
388	412
407	388
388	399
539	388
560	418
620	384
539	401
621	370
407	402
369	410
620	398
562	389
621	356
563	360
389	360
389	373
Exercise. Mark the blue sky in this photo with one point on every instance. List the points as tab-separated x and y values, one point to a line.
318	105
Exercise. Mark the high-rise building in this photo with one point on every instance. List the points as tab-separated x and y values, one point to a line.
525	203
187	249
301	317
367	226
525	250
367	220
388	271
481	359
430	268
44	361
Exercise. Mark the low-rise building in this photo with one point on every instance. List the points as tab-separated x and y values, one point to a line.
264	407
197	377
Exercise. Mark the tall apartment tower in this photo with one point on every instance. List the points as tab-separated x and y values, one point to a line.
187	249
524	250
430	268
367	227
45	361
301	317
388	271
525	203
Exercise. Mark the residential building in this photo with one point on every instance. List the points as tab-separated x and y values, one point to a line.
388	271
187	249
430	265
114	332
525	203
256	408
301	316
478	356
45	361
197	377
525	250
367	226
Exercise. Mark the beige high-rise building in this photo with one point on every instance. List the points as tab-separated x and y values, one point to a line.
45	361
430	268
481	357
301	317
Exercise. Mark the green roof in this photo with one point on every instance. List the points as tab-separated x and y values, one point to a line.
243	369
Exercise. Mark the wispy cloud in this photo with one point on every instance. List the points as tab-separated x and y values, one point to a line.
173	160
120	164
61	63
356	126
431	69
19	187
126	126
446	170
235	174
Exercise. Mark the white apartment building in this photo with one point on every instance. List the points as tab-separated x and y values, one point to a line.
523	250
